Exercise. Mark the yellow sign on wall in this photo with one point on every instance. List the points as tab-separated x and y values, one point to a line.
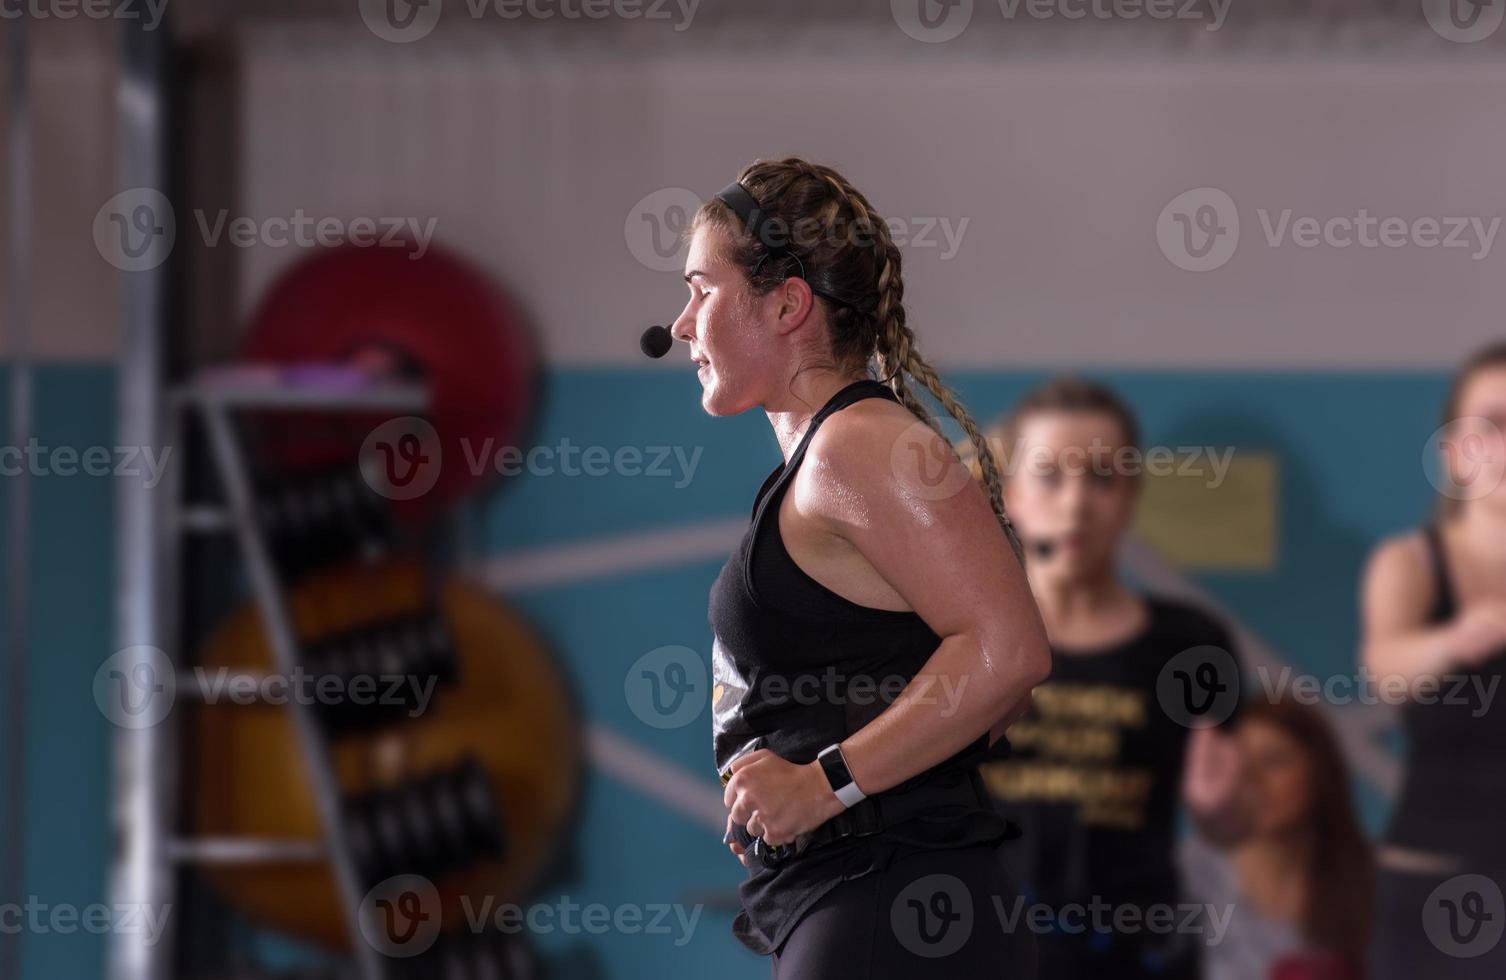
1200	515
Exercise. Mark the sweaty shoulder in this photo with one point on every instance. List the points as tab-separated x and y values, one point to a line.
856	454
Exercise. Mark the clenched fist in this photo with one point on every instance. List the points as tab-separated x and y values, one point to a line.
778	800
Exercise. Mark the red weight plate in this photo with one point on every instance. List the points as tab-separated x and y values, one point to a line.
436	313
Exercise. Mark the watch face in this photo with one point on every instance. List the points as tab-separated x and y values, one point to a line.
835	767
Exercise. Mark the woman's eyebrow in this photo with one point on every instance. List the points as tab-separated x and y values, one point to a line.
693	273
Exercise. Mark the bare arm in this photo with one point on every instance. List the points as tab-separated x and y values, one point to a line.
945	554
1396	639
950	560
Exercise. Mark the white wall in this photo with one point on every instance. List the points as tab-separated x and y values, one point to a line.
531	160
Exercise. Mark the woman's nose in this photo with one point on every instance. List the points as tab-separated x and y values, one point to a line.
684	326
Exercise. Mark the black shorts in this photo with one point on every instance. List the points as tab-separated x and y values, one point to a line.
930	913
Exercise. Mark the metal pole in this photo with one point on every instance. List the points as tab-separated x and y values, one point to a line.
278	620
18	566
143	873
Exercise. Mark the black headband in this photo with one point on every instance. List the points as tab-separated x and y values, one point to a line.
757	221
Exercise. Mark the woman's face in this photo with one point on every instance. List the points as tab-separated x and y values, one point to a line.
1475	449
1064	486
726	326
1279	776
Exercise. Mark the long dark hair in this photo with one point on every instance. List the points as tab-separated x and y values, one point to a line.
843	248
1341	875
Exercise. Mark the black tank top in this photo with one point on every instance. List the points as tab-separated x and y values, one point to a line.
797	667
1454	792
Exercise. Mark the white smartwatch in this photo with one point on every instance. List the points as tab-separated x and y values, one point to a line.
839	776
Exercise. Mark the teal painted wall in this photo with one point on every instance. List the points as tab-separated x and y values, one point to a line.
1350	472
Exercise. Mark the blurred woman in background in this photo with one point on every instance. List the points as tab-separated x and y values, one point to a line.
1096	765
1298	885
1434	621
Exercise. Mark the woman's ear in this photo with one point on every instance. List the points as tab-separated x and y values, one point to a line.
793	301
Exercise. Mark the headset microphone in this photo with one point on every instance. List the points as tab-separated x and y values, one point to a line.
656	341
1041	547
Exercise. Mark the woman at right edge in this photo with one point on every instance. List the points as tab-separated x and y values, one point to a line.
1433	608
874	632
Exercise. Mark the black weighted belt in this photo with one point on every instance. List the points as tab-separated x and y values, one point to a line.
874	814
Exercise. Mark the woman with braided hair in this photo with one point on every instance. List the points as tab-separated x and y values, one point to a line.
874	633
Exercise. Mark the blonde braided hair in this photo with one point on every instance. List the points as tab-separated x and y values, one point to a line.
868	324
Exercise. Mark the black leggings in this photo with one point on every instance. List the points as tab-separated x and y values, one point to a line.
1439	926
930	913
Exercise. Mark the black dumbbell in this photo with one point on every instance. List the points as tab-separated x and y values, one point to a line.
400	661
432	825
313	519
